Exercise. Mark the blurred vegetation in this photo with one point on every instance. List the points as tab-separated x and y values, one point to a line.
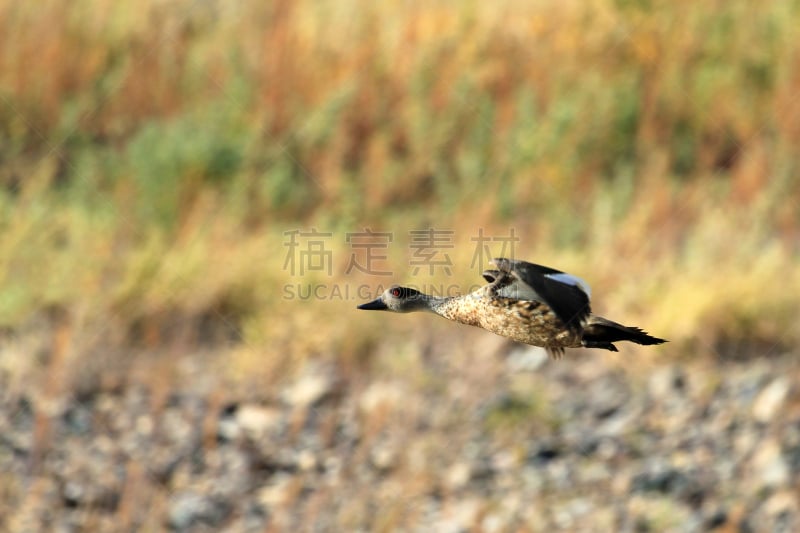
153	156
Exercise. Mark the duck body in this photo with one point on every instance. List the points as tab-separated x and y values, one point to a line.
526	302
527	321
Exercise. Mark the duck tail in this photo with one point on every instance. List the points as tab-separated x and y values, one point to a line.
601	333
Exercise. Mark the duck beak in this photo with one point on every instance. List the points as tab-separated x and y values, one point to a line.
375	305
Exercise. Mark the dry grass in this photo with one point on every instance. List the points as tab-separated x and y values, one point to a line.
154	158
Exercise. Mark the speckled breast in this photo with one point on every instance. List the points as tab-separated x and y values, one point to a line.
525	321
531	322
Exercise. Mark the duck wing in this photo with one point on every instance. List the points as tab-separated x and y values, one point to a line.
565	294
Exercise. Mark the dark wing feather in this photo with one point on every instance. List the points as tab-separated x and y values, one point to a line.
491	275
569	302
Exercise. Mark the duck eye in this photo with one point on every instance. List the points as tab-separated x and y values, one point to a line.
396	292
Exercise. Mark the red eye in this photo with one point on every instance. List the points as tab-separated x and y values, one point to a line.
396	292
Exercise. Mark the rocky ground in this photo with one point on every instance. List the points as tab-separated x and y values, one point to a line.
512	442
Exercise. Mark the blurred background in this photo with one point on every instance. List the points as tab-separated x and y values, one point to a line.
195	195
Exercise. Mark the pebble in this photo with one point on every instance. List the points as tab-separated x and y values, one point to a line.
379	395
383	457
769	466
256	421
189	509
466	512
306	460
307	391
278	492
458	475
781	502
771	399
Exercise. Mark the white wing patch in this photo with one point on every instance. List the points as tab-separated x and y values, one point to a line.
569	279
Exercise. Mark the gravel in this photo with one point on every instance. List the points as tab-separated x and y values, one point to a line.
576	444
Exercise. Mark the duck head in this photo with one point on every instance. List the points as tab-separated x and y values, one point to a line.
399	300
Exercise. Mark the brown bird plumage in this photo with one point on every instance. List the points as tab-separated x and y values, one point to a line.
525	302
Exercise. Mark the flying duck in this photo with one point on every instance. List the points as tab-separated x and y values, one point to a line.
525	302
